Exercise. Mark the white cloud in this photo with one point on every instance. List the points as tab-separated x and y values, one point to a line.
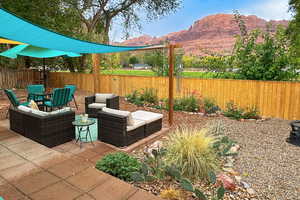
269	9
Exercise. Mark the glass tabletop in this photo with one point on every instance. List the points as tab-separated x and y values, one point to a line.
79	122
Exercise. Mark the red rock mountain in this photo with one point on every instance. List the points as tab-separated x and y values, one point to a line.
214	33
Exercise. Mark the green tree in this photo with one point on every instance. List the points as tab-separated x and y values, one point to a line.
133	60
263	55
98	15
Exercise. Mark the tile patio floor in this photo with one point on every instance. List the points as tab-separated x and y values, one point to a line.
29	170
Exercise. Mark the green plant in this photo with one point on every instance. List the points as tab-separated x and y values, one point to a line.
188	185
210	106
264	55
153	167
191	150
119	164
133	96
149	95
233	111
189	103
251	112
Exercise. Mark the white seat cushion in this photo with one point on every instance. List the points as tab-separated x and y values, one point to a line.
136	124
25	108
121	113
146	116
101	98
97	105
40	113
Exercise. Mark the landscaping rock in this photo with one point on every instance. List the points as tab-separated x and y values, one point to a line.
251	191
227	182
234	149
245	185
238	179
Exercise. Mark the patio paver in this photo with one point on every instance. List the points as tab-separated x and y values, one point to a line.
118	190
35	182
88	179
29	170
60	190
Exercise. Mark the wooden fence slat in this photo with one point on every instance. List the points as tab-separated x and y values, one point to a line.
273	98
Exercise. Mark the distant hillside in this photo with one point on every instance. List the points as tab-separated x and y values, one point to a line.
214	33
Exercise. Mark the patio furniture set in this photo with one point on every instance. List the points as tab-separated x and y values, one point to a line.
55	123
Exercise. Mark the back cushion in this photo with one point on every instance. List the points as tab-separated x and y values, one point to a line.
101	98
127	114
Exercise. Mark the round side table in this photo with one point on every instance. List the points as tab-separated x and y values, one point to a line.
83	127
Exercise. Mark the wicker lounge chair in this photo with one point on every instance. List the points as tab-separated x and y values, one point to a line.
122	128
114	128
50	130
153	121
94	104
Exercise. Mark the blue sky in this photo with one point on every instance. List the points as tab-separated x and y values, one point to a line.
193	10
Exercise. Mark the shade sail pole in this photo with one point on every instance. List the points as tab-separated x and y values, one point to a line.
96	64
171	83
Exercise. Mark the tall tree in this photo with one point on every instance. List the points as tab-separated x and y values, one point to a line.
294	26
98	15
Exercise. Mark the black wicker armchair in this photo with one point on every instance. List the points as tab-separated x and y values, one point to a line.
51	130
113	129
112	102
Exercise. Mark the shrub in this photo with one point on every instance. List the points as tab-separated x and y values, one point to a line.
251	113
210	106
233	111
149	95
191	150
189	103
133	96
119	164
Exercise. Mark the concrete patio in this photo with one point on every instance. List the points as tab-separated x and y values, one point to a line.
29	170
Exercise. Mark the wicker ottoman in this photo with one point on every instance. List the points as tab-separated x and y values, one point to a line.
153	120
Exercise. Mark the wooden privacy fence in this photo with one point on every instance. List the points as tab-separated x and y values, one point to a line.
10	78
272	98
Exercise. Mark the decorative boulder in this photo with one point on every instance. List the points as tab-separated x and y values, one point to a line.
227	182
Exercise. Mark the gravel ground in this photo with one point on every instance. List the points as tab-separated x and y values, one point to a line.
266	161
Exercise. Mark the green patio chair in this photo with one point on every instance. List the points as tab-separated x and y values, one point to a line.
72	94
59	98
14	101
35	89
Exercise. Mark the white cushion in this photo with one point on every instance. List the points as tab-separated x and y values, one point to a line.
146	116
136	124
97	105
24	108
121	113
66	109
40	113
101	98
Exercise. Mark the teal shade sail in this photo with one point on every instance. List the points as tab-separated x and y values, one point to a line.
35	52
18	29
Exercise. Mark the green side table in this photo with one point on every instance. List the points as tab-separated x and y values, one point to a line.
83	127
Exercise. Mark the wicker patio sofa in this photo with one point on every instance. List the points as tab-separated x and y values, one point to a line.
94	104
50	130
121	129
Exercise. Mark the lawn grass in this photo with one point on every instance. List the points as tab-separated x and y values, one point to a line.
187	74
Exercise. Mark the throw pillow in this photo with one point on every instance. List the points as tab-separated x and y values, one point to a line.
33	105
